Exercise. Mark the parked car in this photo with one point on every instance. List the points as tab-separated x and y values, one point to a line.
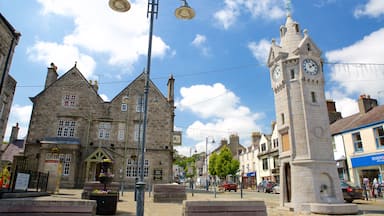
265	186
350	191
228	186
276	189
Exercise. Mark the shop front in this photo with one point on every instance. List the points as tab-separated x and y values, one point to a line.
368	166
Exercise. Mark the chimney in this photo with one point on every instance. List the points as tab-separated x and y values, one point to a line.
333	115
256	136
366	103
51	75
171	89
14	133
95	86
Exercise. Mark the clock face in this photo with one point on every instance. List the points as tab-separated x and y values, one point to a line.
310	67
276	73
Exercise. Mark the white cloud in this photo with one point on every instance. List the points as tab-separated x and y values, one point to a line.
358	70
220	112
260	50
365	78
266	9
19	114
64	56
200	43
122	36
374	8
344	104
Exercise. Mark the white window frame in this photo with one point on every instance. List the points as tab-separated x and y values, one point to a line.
66	128
138	131
104	131
121	132
140	104
66	164
69	100
133	171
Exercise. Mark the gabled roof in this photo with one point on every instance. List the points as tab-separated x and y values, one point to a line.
358	120
141	76
74	69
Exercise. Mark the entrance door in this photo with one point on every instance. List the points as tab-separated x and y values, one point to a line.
287	171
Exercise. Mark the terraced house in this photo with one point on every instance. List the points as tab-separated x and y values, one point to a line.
72	123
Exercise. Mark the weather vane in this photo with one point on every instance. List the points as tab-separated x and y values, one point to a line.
288	6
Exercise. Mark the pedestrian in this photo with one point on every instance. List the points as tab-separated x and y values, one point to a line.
365	187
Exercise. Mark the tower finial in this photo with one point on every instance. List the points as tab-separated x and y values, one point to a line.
288	7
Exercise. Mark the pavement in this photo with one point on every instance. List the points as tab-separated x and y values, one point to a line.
127	206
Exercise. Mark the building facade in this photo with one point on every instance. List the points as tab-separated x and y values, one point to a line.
72	123
9	39
361	136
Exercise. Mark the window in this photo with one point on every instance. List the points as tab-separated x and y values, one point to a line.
265	163
66	128
308	46
263	147
292	73
124	107
121	132
104	130
286	145
139	104
357	142
69	100
379	136
282	118
133	170
275	143
138	131
66	160
275	161
313	97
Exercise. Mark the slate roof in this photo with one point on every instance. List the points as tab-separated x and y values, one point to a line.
358	120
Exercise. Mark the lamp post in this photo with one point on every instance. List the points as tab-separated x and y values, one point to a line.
206	162
183	12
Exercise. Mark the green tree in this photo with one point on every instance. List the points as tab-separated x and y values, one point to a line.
223	164
212	164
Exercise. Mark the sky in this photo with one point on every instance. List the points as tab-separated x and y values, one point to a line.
218	59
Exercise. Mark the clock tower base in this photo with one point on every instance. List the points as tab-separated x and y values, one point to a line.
313	187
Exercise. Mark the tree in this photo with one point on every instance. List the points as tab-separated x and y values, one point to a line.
223	164
212	164
187	164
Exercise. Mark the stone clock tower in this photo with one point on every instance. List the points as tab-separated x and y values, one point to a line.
309	178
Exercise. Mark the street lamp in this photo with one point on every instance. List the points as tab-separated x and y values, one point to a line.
183	12
206	161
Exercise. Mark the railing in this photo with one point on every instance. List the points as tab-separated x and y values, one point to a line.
38	181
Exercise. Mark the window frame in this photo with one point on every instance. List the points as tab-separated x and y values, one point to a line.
379	138
357	141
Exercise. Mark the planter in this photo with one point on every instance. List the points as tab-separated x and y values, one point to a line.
106	203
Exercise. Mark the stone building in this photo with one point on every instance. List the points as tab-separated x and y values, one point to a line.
72	123
9	38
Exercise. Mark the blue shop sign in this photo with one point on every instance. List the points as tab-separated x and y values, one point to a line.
251	174
370	160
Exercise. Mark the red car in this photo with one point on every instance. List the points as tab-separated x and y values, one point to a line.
229	186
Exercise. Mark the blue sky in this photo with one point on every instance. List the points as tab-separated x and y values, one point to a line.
218	58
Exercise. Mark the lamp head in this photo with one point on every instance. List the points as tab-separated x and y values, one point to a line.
120	5
184	12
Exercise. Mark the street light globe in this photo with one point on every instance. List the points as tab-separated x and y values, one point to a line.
185	12
120	5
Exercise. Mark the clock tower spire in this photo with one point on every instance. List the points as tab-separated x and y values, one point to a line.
309	178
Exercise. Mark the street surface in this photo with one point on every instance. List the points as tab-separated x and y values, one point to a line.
127	206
